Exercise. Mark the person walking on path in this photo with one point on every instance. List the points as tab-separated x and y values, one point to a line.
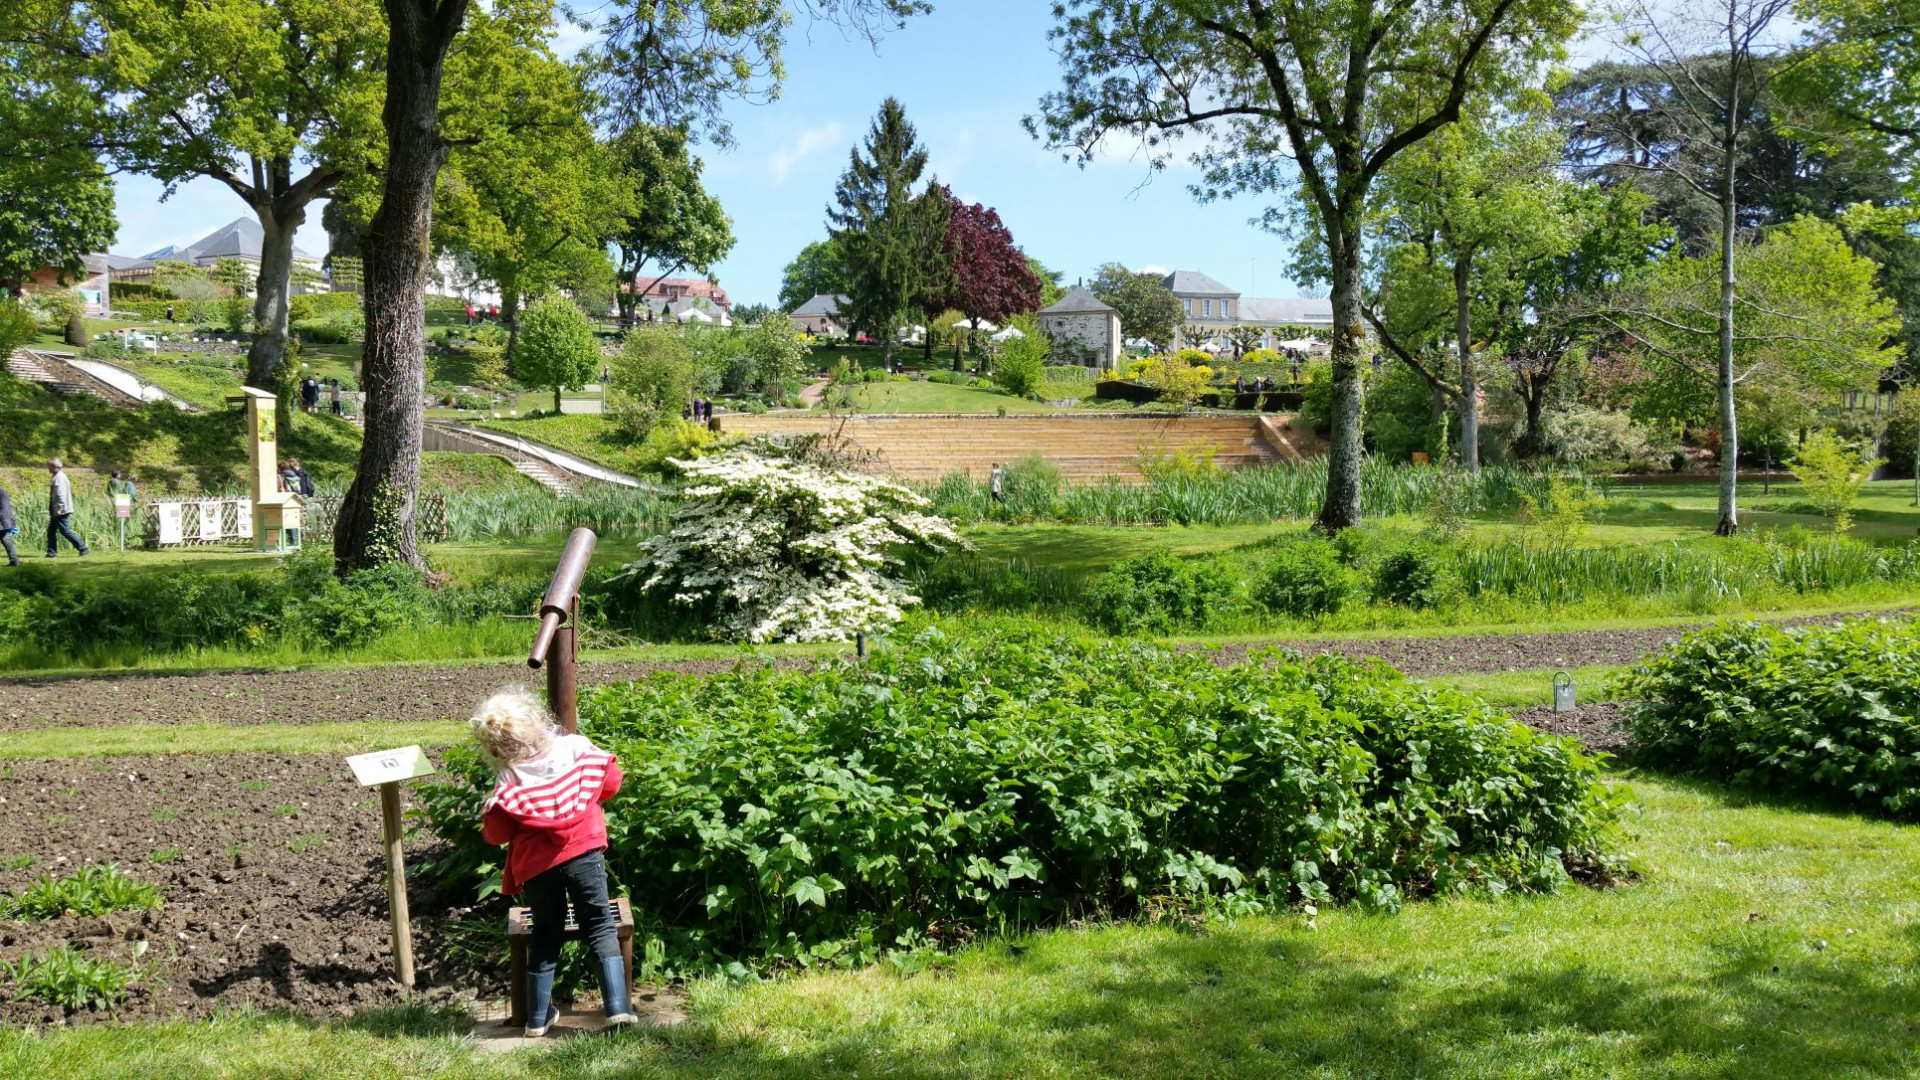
333	395
8	526
59	510
546	808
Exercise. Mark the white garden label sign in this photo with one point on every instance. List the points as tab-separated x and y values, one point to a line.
389	766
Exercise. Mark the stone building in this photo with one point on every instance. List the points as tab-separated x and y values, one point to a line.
1083	329
1212	308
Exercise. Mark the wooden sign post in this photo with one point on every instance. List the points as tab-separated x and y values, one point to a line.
385	769
276	513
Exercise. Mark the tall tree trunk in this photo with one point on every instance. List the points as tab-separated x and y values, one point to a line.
1535	398
267	356
510	314
376	523
1469	378
1729	523
1342	506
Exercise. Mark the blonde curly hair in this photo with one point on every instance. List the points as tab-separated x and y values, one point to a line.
512	726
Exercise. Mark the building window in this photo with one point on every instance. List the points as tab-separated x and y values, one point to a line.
1226	309
1206	308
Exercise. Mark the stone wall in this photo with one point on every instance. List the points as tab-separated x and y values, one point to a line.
1090	338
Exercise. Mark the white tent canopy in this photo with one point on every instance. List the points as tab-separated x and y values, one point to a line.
1298	344
1009	334
694	315
980	324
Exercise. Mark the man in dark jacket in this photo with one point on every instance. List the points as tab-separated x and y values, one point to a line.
8	527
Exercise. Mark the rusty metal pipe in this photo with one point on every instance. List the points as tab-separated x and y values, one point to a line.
563	593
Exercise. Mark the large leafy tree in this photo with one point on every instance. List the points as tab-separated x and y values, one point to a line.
672	222
987	275
1148	309
1691	123
1313	99
1463	214
531	202
56	203
278	100
1865	71
559	348
819	269
888	227
1812	319
1562	294
666	62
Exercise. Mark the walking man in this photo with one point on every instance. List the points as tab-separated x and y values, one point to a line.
333	393
59	509
8	527
994	480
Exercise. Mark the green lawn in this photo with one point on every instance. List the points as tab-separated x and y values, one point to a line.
1763	940
933	397
588	436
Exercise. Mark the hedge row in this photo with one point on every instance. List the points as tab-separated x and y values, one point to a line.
1007	777
1832	711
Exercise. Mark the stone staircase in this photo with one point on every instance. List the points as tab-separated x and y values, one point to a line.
545	475
1086	449
59	378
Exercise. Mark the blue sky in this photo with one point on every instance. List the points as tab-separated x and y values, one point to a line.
966	75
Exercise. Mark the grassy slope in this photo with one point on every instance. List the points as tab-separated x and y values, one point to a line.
1763	941
169	449
588	436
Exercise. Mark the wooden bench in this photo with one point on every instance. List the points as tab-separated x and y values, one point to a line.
520	933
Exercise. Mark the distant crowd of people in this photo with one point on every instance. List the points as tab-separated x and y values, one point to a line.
489	312
701	410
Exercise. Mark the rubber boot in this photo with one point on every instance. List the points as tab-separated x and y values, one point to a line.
541	1011
613	988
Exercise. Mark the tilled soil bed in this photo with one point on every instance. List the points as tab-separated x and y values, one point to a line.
1507	652
402	692
271	871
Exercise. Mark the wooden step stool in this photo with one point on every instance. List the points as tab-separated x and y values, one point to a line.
520	932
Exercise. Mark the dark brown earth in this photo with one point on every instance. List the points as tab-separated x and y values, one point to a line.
1598	727
441	692
404	692
247	919
1503	652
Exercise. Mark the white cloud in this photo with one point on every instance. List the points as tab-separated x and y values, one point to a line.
781	162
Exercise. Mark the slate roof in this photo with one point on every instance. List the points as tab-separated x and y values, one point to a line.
1279	310
1078	301
238	239
820	304
1195	283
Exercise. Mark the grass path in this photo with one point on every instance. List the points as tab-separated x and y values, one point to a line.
1763	941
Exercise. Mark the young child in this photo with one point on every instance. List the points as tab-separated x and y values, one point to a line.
545	807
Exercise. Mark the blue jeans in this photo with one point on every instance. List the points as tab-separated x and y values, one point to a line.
57	527
584	878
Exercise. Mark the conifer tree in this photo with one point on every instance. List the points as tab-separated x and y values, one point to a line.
887	227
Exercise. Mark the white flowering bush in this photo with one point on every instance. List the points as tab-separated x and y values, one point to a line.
784	551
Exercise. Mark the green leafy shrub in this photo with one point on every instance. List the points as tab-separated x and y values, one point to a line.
1827	710
91	891
70	979
1307	578
334	328
1156	593
1009	777
1420	575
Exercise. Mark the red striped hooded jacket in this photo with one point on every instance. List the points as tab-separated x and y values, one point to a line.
547	809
